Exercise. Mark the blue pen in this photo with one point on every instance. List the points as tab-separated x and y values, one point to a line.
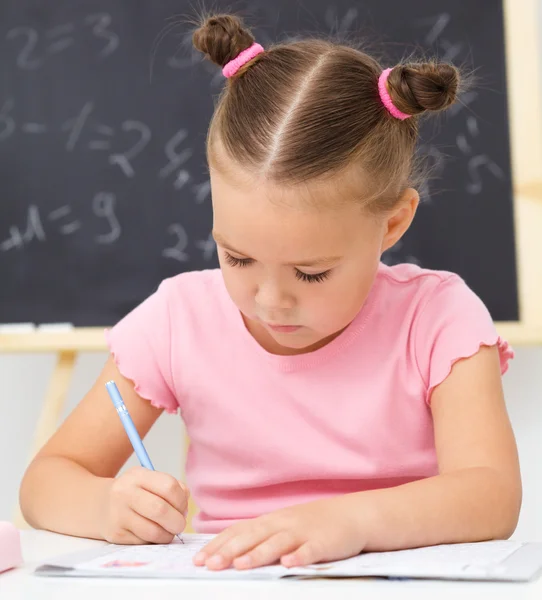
130	428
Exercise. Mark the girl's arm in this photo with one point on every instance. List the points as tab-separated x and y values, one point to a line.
67	486
477	495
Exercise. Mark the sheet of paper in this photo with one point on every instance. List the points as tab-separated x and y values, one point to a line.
167	560
442	561
175	560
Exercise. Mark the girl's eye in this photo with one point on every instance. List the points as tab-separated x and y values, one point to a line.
245	262
237	262
316	278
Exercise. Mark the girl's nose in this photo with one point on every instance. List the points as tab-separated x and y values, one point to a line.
273	300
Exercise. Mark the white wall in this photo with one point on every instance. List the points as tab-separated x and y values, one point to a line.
24	381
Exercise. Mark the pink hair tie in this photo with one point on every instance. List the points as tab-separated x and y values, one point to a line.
231	67
385	96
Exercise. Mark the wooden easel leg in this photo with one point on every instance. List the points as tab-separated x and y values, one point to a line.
192	508
52	408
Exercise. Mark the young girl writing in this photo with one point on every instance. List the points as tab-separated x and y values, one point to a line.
333	404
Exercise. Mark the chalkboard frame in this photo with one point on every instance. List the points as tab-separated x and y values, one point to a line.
524	88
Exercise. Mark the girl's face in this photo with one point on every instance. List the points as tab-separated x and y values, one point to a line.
299	273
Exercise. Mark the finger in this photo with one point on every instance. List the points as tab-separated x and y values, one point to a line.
217	542
125	537
187	498
268	552
307	554
238	545
184	488
156	509
146	530
165	486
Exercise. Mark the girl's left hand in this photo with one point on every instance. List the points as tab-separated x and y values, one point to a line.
321	531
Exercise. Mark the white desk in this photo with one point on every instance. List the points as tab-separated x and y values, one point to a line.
21	584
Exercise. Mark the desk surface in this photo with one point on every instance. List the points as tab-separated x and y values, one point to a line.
40	545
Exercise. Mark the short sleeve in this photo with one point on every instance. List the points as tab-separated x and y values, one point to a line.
140	344
453	324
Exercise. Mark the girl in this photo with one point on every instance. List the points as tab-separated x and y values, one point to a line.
334	404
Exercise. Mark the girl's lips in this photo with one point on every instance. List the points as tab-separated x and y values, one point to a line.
284	328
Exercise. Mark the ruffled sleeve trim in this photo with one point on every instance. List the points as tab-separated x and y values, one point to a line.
130	374
440	373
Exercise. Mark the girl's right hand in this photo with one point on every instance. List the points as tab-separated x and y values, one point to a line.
143	506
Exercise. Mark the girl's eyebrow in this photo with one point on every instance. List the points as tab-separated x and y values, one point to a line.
220	240
324	260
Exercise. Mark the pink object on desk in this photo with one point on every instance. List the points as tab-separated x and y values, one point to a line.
10	547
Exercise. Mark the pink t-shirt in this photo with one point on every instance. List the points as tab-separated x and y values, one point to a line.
269	431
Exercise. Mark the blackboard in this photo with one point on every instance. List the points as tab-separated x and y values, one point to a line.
105	189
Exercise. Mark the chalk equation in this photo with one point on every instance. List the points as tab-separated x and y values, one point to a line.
123	146
62	220
104	228
33	48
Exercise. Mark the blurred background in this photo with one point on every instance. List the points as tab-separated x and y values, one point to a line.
103	115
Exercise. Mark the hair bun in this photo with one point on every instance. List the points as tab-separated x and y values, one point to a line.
417	87
221	38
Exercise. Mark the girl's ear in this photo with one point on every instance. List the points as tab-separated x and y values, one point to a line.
400	218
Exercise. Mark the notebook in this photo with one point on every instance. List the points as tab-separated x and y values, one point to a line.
487	561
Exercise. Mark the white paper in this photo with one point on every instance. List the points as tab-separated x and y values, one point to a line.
165	560
175	560
438	561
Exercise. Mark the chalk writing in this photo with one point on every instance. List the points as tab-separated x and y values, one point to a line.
7	123
62	221
34	47
476	161
124	145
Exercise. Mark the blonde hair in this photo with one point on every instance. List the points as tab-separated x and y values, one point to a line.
310	110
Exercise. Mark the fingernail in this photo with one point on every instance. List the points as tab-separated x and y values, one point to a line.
200	557
215	561
288	560
243	561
